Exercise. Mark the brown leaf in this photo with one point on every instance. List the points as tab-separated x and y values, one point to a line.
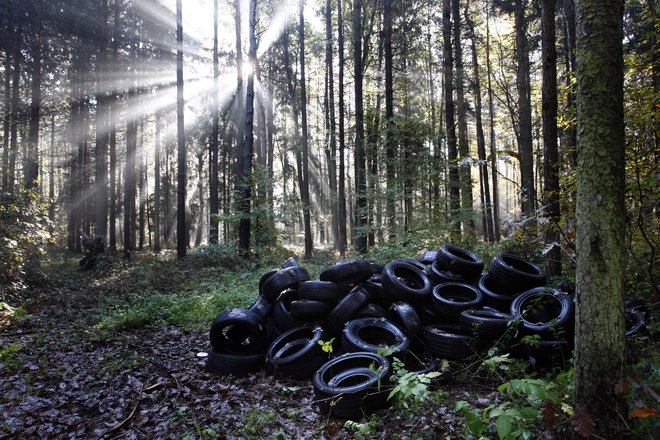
549	416
644	412
583	423
621	387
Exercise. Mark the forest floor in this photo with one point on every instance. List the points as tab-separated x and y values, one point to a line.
114	353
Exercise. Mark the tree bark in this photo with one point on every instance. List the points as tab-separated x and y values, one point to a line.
525	147
100	183
213	166
129	166
481	142
112	130
246	162
32	162
390	146
342	137
360	166
493	137
15	103
332	163
550	154
600	349
304	190
157	195
181	235
452	152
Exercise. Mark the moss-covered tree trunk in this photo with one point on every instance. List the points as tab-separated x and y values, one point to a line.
600	343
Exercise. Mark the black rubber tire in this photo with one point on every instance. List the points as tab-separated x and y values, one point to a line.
282	280
326	291
225	364
548	354
346	387
428	257
428	315
450	299
347	309
237	331
297	352
309	310
419	363
372	310
377	268
516	273
282	312
636	303
262	308
495	295
405	316
483	324
635	322
371	334
290	262
459	260
543	310
348	272
449	342
374	286
418	264
264	278
439	276
406	282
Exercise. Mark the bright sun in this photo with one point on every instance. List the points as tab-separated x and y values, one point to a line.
247	67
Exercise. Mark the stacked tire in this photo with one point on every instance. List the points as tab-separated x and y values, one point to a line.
343	330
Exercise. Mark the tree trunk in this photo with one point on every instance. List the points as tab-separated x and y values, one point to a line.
600	349
51	175
129	167
7	103
550	154
15	110
213	166
246	162
360	166
332	163
112	130
493	137
342	137
304	190
32	162
569	21
157	178
464	171
100	183
390	147
528	197
481	142
452	152
181	235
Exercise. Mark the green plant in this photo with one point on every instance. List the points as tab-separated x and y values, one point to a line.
327	346
9	359
412	388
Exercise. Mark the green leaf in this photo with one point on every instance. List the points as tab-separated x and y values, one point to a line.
503	425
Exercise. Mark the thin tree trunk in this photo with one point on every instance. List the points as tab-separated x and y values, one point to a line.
213	166
100	183
32	162
390	147
342	137
246	162
493	148
452	152
525	146
8	113
157	178
332	162
550	154
465	174
15	110
181	231
600	343
304	190
360	167
51	175
112	129
481	143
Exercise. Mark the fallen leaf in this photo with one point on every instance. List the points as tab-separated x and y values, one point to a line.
644	412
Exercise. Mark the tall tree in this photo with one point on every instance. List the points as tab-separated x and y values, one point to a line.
15	105
157	178
465	174
493	137
181	236
100	184
452	152
112	130
246	161
390	146
131	147
481	142
600	347
550	153
332	126
342	137
304	190
360	165
524	110
32	163
214	209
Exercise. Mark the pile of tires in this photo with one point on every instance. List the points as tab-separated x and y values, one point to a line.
343	330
